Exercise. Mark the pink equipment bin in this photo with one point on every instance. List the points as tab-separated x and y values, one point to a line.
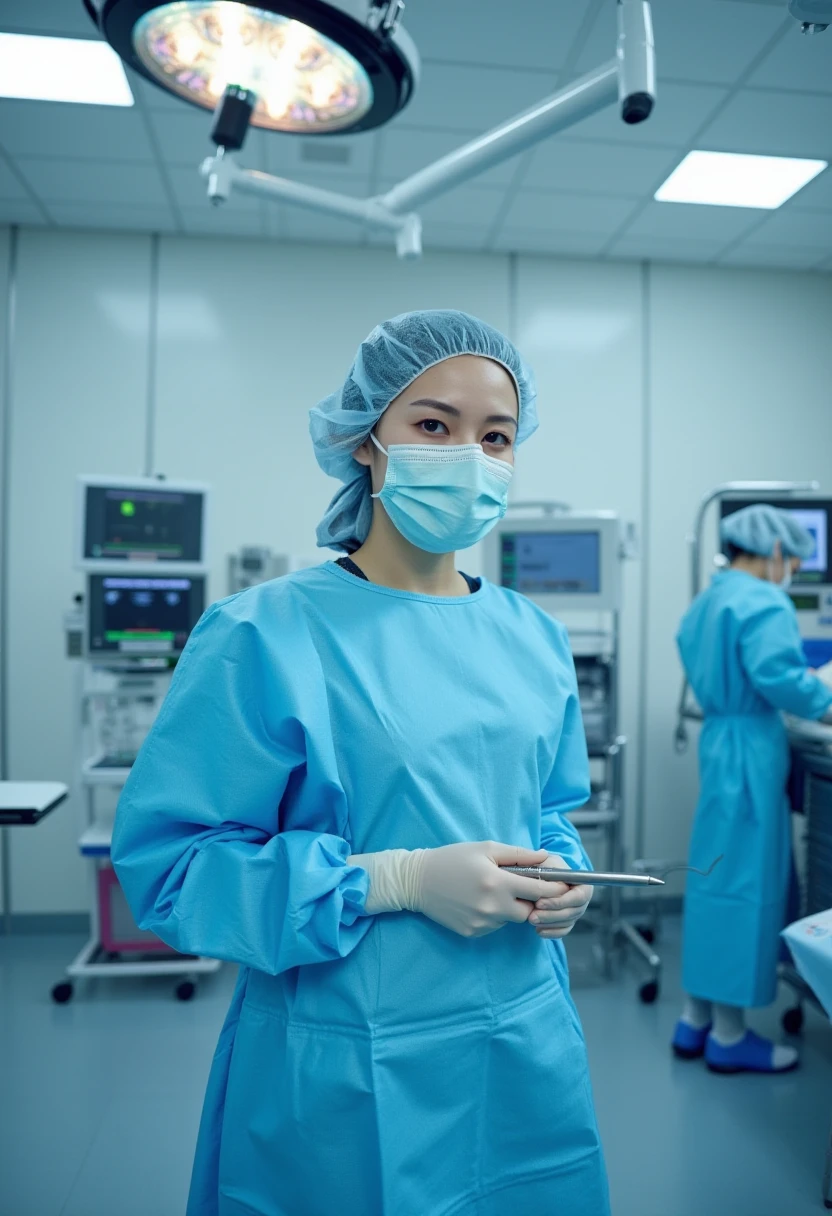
119	932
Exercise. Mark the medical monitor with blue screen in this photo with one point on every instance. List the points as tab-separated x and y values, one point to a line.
815	514
551	563
135	616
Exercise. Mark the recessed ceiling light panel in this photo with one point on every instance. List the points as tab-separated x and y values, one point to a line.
36	68
315	67
733	179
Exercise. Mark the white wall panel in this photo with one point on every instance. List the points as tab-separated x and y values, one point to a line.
78	406
5	253
579	325
741	369
251	335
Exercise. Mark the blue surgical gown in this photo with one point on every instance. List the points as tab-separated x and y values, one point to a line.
741	649
369	1065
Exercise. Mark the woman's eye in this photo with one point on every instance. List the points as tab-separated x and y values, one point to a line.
432	426
497	439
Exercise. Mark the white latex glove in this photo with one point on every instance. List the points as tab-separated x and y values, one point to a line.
460	886
825	673
562	907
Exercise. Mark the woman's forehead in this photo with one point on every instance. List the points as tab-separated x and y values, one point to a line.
466	377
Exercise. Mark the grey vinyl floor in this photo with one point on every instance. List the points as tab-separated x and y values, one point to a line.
100	1098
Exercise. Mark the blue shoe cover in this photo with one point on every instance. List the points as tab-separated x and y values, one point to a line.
689	1043
753	1053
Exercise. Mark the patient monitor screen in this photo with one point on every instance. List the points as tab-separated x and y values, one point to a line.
135	616
814	515
124	524
552	563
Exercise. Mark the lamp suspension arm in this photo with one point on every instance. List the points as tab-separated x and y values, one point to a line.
579	100
329	202
629	79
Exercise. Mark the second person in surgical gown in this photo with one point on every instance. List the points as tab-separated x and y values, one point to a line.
742	653
345	760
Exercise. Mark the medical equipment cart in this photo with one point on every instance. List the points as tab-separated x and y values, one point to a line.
140	543
569	563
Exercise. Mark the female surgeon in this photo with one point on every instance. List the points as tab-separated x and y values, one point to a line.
741	649
346	759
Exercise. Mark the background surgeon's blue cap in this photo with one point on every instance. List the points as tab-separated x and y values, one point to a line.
755	530
390	359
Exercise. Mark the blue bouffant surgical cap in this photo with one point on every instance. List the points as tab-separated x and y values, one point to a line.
390	359
755	530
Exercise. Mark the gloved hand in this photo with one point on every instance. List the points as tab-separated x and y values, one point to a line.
825	674
460	886
562	907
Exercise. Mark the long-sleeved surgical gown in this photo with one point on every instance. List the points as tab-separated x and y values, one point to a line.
369	1065
741	648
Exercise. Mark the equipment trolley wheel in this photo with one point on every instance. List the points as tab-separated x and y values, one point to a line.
648	992
186	990
62	992
793	1020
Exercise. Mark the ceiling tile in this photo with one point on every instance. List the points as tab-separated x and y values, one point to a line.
10	184
708	40
817	195
662	249
455	236
21	211
286	155
405	151
43	128
463	98
799	228
93	181
777	124
598	168
689	222
184	136
652	249
306	226
797	62
58	17
791	257
474	204
681	109
530	34
561	241
208	220
567	212
90	215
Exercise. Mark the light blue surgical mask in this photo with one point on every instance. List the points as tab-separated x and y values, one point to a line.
786	581
443	498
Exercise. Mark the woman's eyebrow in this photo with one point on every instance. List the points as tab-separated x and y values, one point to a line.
444	408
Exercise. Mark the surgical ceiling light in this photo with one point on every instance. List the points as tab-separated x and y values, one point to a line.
36	68
732	179
308	67
320	66
814	15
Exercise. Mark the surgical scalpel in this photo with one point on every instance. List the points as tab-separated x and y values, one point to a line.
592	878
